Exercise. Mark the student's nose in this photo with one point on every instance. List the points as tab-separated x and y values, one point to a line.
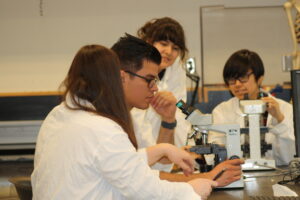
154	88
238	83
168	49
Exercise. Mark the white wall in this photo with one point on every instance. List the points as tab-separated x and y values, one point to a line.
36	51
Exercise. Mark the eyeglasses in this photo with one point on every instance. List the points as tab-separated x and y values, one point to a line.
151	81
243	79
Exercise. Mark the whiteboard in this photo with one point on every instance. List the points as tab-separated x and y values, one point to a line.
261	29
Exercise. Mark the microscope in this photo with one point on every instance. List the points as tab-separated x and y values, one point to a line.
202	123
253	109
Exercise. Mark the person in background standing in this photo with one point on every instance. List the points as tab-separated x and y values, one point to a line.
157	124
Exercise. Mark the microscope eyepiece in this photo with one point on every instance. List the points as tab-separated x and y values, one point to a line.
181	105
184	107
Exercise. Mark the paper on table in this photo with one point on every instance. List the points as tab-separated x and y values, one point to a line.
281	190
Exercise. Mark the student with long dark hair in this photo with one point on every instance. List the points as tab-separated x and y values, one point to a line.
86	147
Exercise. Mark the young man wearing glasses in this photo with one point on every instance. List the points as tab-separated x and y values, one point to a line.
243	74
139	70
141	90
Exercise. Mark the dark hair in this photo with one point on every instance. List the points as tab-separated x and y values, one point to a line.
94	76
132	51
240	62
164	29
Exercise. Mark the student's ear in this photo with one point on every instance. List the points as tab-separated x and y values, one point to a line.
149	41
260	80
123	75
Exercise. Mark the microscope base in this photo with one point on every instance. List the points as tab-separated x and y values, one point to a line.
258	165
235	185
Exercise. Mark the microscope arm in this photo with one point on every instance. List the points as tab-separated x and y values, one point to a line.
233	141
232	134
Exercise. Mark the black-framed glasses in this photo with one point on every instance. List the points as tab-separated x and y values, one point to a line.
151	81
243	79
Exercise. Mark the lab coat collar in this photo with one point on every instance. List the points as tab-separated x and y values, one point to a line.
82	102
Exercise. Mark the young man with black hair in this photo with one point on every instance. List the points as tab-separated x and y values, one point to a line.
139	70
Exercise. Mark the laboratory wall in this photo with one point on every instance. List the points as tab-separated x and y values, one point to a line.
39	38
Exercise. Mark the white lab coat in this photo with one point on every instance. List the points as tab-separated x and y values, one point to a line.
80	155
281	135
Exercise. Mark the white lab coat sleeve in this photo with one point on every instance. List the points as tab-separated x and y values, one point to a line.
283	143
142	128
175	82
146	131
143	153
126	171
144	156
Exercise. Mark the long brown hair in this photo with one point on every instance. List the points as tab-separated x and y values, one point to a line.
94	76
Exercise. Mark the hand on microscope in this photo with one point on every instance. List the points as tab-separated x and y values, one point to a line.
273	108
193	154
227	172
